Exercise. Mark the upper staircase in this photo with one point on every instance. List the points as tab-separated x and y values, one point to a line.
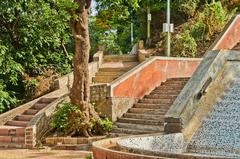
114	66
147	116
12	133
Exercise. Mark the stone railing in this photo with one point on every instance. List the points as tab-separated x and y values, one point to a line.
230	35
151	73
40	123
201	92
93	67
123	92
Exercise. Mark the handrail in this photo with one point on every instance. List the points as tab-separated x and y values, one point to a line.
143	65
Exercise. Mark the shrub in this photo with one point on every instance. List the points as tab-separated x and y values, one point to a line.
69	118
214	16
7	100
184	45
107	125
188	7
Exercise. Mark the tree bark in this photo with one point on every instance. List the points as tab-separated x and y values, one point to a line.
80	92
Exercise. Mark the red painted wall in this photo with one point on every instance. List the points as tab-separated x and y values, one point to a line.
231	36
144	81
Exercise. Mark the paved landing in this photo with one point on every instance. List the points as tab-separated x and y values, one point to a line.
42	154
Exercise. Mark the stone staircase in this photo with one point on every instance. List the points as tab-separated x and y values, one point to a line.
114	66
12	133
147	116
220	131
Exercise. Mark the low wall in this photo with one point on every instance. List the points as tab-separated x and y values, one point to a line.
230	35
186	105
146	76
39	124
93	67
108	149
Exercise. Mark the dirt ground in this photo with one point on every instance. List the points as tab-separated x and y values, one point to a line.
42	154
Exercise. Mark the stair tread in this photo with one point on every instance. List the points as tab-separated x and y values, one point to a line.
131	131
140	121
147	116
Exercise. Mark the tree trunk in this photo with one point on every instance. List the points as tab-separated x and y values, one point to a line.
80	92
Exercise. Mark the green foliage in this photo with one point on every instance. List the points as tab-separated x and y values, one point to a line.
188	7
30	87
33	35
88	157
69	118
7	99
214	16
184	45
107	125
61	119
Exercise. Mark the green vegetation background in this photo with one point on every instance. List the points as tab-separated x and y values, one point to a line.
36	43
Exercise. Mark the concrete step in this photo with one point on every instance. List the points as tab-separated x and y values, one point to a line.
140	121
117	74
178	79
79	147
170	87
143	116
39	106
166	92
24	117
12	139
130	131
157	101
118	58
12	131
156	96
46	100
17	123
152	106
102	80
143	127
31	112
147	111
12	145
120	69
175	82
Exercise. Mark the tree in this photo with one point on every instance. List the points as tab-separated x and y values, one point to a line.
34	36
80	92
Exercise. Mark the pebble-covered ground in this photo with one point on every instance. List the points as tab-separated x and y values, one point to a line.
42	154
220	132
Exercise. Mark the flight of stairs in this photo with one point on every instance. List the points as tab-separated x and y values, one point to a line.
12	133
147	116
114	66
220	131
